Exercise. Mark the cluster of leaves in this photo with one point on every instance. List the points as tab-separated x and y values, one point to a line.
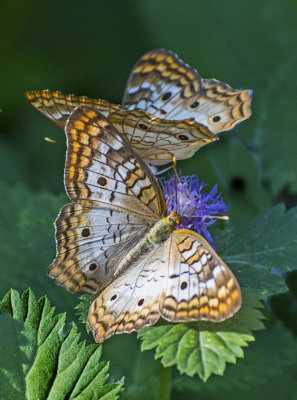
195	349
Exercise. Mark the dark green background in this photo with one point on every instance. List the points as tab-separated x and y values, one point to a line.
88	48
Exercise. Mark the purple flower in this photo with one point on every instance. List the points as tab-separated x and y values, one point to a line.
199	209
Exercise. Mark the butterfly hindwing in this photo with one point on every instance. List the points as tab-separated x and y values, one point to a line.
102	170
221	107
157	141
161	84
132	300
199	285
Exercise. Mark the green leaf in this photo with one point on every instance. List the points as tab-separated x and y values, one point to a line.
260	254
265	369
27	244
42	358
204	348
82	309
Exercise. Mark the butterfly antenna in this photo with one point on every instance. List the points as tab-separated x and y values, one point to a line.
162	171
47	139
175	170
225	217
177	181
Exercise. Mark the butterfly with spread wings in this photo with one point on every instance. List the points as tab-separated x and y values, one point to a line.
168	109
116	238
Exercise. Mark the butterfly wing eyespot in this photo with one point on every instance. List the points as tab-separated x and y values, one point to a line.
166	96
183	137
102	181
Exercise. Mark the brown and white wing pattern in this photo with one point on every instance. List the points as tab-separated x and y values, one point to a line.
102	170
89	243
161	84
132	300
221	107
57	106
198	285
157	141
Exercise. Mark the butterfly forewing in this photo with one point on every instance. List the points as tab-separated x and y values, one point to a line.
102	170
89	243
159	81
117	200
164	86
199	285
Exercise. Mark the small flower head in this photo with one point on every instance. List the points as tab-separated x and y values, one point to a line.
199	210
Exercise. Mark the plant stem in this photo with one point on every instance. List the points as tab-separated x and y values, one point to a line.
164	389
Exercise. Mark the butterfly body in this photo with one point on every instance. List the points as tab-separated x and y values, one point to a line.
159	232
116	238
163	228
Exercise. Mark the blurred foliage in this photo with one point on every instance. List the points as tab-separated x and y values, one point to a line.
89	49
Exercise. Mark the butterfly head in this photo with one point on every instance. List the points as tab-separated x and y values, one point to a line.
175	219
